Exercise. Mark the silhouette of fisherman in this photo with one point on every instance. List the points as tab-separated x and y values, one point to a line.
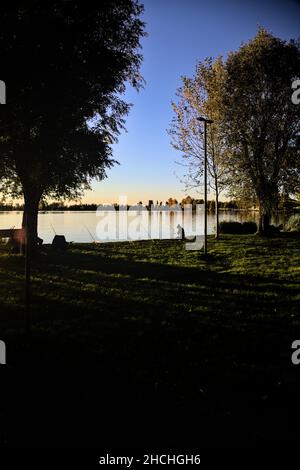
180	232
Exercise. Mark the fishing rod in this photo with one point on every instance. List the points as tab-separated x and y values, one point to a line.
91	235
53	229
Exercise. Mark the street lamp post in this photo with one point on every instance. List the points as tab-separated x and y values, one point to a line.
206	121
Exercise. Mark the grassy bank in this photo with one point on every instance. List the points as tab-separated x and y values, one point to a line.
168	332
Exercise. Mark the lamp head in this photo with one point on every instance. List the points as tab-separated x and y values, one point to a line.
202	119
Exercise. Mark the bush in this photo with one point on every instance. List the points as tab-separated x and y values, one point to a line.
249	227
238	228
230	227
293	224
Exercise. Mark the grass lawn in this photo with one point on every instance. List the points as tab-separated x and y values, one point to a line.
140	334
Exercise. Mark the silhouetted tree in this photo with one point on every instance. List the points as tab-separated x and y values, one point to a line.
65	64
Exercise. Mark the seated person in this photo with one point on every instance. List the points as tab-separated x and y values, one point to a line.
180	232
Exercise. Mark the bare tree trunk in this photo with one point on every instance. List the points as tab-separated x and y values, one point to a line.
30	226
264	219
30	217
260	223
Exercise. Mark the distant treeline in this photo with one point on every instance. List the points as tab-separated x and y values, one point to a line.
56	206
158	205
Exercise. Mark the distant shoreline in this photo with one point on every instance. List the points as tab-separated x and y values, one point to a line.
60	211
170	205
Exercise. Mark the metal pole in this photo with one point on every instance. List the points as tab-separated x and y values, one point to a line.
27	277
205	190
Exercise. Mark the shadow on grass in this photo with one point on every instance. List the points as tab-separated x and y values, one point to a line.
119	341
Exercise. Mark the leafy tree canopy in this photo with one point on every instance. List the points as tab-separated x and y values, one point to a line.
260	121
65	64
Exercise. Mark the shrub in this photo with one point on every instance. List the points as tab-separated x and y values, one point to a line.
249	227
230	227
238	228
293	224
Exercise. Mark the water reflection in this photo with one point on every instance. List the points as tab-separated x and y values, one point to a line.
84	226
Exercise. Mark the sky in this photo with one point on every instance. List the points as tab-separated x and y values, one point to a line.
180	33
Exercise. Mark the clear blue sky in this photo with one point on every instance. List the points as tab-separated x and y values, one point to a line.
181	32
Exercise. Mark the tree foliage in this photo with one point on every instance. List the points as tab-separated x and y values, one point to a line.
200	96
260	122
253	144
65	64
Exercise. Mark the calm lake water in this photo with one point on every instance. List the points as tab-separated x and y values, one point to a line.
110	226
